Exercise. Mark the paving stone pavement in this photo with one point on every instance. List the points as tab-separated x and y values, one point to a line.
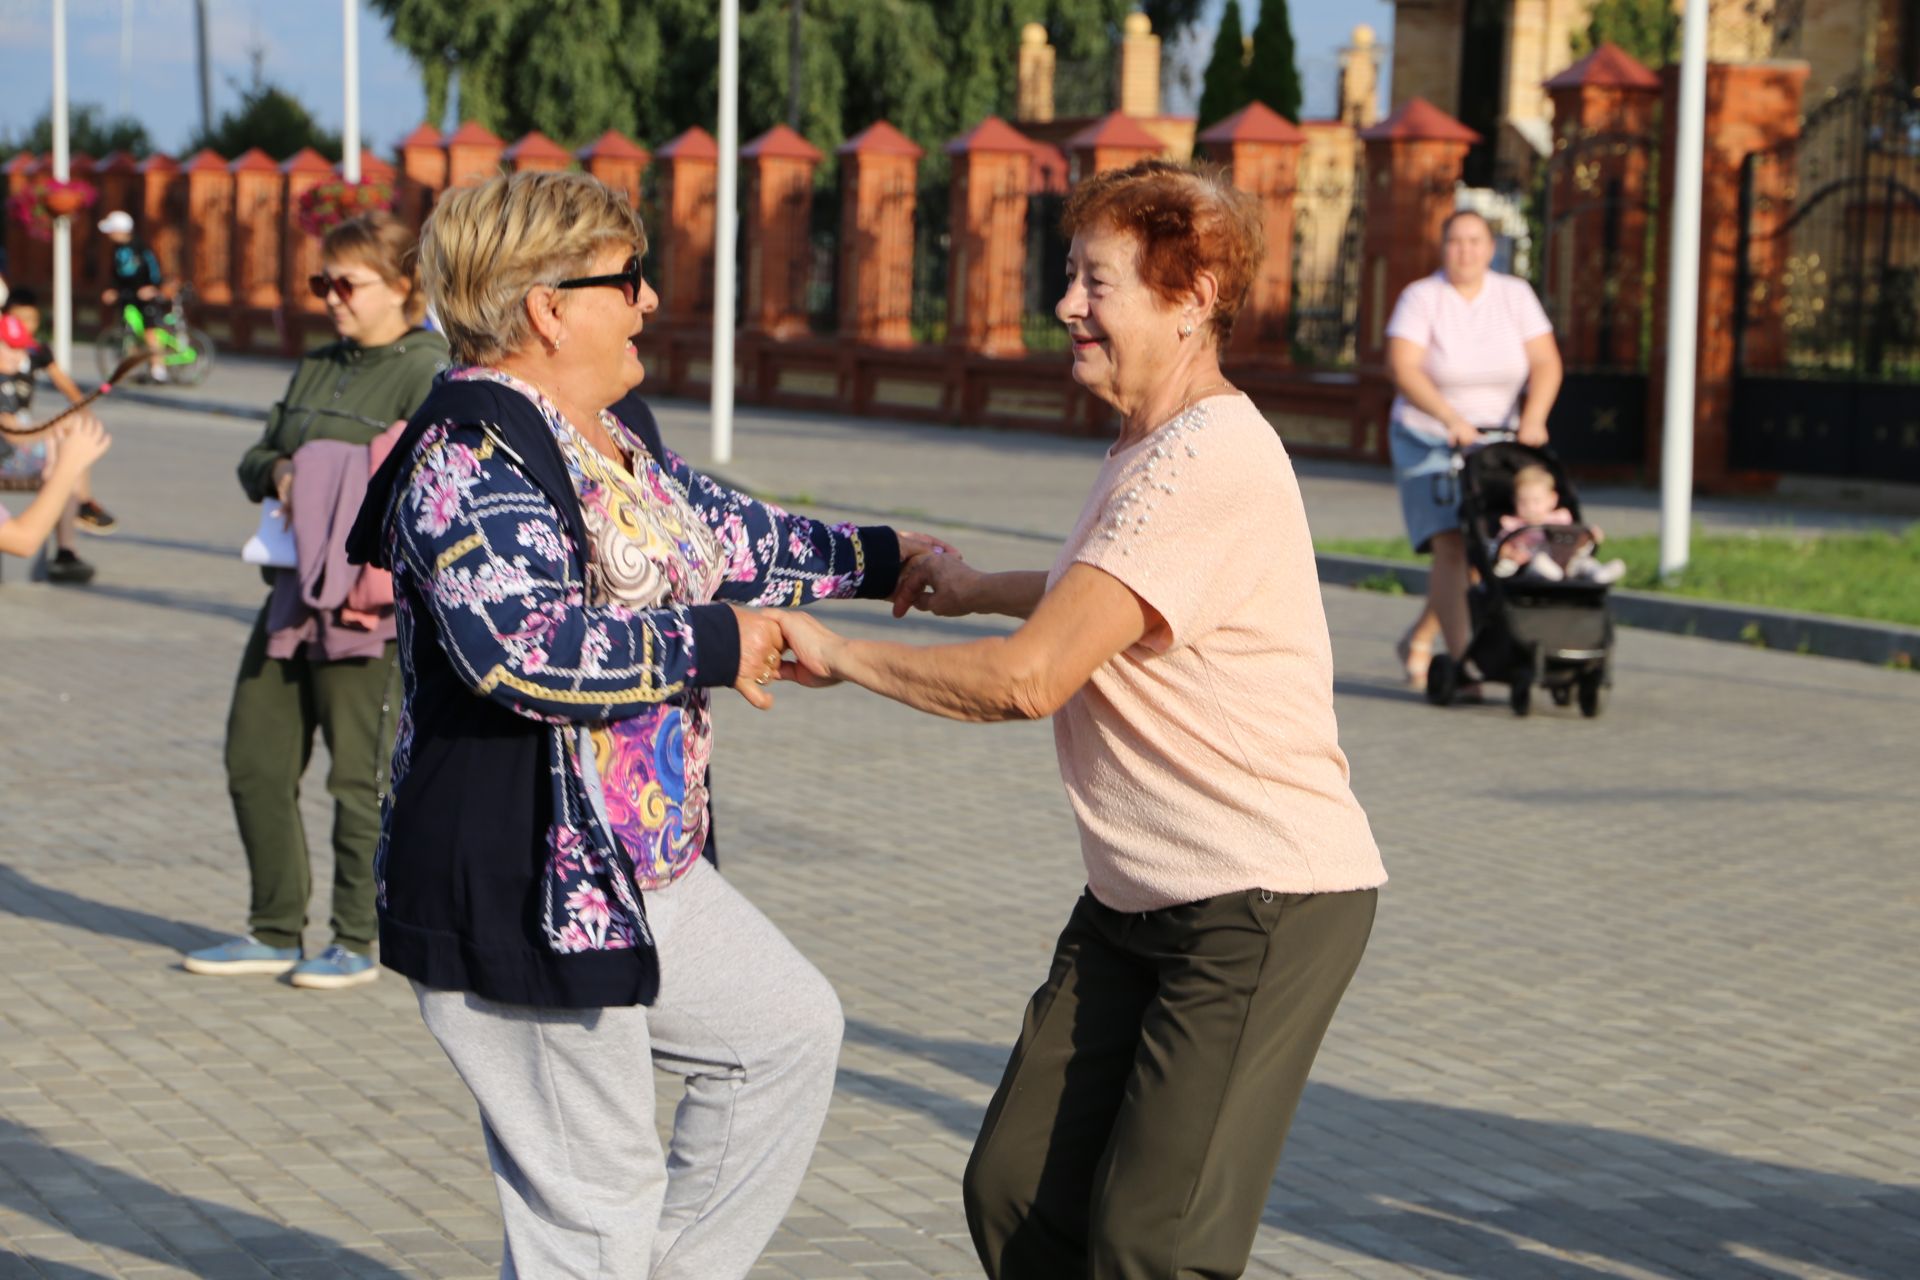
1636	1004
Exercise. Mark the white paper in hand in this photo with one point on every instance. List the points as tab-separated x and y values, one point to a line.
272	543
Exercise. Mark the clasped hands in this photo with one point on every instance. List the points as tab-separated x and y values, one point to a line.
785	644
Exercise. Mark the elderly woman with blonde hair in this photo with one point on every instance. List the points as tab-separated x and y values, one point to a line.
569	594
1179	645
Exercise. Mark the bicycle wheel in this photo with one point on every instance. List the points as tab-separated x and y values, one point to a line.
115	343
189	363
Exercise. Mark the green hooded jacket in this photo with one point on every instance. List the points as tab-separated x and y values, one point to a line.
344	391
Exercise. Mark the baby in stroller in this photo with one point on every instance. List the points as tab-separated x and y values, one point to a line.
1524	548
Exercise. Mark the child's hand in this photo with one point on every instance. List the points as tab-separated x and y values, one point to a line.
81	441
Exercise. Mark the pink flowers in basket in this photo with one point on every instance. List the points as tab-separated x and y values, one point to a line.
43	199
322	208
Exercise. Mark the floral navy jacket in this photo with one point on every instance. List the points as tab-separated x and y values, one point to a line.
499	870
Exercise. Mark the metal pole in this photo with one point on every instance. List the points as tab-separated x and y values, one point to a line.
206	67
725	230
1683	298
350	132
62	226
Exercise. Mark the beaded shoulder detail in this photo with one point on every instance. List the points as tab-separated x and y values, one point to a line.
1154	475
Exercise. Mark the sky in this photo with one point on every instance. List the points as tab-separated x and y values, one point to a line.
300	46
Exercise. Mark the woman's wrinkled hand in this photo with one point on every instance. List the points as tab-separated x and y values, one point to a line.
914	545
814	648
761	645
938	584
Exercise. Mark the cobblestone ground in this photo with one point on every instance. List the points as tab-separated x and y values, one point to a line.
1636	1005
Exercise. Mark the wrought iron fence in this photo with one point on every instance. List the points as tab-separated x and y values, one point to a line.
932	261
1046	273
1323	316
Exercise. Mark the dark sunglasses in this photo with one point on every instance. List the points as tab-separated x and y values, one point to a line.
628	278
323	284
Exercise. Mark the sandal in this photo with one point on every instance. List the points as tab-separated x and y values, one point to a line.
1416	656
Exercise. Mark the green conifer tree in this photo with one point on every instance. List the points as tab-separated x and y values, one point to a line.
1224	89
1272	77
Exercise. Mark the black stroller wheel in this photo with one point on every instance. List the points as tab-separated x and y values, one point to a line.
1593	693
1520	696
1442	676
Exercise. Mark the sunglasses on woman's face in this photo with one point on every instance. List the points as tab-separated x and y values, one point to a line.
323	284
628	278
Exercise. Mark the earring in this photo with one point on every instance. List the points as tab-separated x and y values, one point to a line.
1186	331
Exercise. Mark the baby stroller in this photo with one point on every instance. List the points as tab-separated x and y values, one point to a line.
1527	631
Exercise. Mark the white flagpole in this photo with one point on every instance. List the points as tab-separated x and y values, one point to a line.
350	132
62	226
725	229
1683	298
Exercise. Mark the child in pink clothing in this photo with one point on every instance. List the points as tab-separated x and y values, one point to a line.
1523	546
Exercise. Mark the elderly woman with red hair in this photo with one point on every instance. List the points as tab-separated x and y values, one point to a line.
1179	644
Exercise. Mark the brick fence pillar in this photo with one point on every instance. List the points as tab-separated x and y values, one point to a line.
1261	149
537	153
1596	251
423	174
86	273
209	239
878	190
259	193
1413	163
159	211
1111	142
473	155
19	172
690	164
992	167
778	227
302	313
1750	108
618	161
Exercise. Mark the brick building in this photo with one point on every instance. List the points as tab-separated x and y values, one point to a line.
1484	61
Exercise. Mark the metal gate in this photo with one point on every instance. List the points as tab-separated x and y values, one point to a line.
1322	320
1595	277
1827	305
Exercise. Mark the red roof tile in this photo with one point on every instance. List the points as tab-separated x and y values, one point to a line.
781	143
1609	67
695	144
537	146
991	134
1420	120
612	145
1115	130
1255	122
880	139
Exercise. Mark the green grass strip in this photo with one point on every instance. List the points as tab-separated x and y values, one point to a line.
1874	576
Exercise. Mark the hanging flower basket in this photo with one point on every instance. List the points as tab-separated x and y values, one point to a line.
44	199
322	208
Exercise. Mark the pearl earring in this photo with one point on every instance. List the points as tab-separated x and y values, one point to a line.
1186	331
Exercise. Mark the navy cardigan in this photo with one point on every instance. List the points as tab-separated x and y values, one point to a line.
487	790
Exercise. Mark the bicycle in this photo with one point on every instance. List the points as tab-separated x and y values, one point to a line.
186	351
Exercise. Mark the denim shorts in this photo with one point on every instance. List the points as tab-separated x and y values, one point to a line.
1429	489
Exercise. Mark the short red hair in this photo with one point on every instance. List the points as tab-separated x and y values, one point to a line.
1187	220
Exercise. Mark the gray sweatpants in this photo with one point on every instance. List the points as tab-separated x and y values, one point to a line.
567	1098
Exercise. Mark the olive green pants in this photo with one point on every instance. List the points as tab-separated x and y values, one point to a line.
1139	1123
278	703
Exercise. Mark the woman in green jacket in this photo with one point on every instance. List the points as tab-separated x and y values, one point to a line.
290	683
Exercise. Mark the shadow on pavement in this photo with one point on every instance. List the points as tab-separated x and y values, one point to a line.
178	601
22	897
112	1209
1483	1196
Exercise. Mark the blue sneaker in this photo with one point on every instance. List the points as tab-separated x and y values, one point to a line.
333	968
245	954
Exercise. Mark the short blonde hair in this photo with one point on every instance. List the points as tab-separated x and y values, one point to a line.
484	247
1534	476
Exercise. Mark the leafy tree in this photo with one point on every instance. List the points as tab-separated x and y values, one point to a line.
271	119
1647	29
1224	91
1272	76
89	132
574	68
